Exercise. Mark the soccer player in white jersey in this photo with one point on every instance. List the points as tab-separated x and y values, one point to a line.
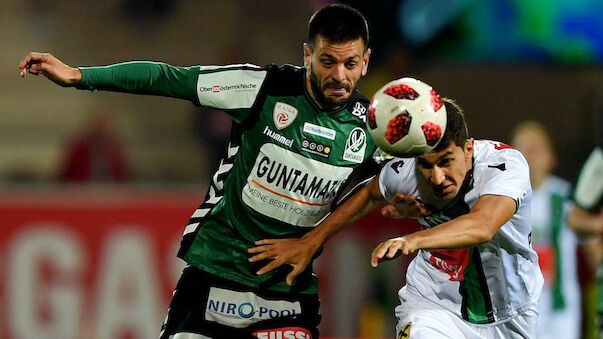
555	243
475	274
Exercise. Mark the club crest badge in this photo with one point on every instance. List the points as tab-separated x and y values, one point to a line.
283	115
355	146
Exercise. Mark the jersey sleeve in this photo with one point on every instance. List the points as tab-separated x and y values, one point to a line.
232	88
588	193
142	77
506	173
394	176
359	177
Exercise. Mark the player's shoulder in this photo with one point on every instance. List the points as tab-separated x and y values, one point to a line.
398	167
285	71
284	79
500	169
491	150
240	76
396	175
231	67
491	155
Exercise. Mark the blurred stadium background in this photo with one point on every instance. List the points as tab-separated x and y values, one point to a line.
96	259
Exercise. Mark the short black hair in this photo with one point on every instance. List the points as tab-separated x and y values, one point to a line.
456	126
338	23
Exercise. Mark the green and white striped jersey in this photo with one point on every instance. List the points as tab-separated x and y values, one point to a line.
288	162
489	283
556	245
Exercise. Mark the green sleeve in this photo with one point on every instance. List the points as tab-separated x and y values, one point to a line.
143	77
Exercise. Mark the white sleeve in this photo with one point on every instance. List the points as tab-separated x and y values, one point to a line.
589	187
230	87
506	174
394	177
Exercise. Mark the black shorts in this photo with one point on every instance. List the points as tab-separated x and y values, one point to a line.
213	307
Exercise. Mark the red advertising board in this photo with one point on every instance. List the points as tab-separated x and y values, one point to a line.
101	263
89	263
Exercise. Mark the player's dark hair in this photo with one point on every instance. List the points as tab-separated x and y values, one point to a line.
338	23
456	126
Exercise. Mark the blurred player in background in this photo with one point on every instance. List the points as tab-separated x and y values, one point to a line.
555	243
475	274
298	144
586	218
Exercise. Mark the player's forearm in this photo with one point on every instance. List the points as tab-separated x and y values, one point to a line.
141	77
462	232
477	227
584	222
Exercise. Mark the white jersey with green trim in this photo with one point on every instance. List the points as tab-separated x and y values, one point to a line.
556	245
489	283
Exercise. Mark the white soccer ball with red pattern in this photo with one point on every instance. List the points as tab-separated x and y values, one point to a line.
406	118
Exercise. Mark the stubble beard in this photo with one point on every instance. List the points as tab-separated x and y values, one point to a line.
322	100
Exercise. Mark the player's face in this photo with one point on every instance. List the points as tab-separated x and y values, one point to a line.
334	70
536	148
446	170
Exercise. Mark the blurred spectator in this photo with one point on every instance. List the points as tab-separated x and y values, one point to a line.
555	242
95	155
586	217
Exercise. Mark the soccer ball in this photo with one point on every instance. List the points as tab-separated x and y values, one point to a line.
406	118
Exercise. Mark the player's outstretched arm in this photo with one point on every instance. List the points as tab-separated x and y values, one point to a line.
137	77
52	68
473	228
299	253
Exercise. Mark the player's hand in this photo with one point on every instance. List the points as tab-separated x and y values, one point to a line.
391	249
404	206
52	68
297	253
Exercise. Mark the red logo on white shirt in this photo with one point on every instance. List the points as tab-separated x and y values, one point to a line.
453	262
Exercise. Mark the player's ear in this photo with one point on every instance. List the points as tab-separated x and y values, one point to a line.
469	148
307	55
365	61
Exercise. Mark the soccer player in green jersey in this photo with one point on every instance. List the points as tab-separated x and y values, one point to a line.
298	148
